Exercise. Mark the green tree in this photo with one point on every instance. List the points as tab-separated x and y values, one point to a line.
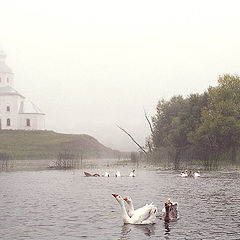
219	131
173	122
169	130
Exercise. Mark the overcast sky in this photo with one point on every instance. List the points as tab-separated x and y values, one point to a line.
92	64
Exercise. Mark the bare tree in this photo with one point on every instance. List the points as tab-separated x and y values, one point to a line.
149	143
133	139
148	140
150	125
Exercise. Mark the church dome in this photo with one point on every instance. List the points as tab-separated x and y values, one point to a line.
3	66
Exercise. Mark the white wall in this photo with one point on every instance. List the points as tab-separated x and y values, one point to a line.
18	121
6	79
13	102
37	121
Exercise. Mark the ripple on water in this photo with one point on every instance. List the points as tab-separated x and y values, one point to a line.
63	205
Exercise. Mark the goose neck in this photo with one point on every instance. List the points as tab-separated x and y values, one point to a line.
126	218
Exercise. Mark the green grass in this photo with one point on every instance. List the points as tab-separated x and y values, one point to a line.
20	144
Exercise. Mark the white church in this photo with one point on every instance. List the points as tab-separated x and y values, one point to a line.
16	112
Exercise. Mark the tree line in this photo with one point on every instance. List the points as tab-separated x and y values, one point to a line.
201	127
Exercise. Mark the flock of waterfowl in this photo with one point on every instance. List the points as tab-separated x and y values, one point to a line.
106	174
190	173
147	213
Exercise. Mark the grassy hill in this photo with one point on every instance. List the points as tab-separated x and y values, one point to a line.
20	144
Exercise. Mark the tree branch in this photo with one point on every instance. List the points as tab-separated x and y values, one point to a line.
133	139
150	125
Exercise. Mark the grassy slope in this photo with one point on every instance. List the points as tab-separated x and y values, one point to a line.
47	144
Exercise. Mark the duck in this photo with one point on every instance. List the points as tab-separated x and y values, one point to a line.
147	216
117	174
196	174
171	212
131	211
106	174
132	173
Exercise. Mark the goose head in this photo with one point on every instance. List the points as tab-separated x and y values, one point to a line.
167	206
127	199
118	197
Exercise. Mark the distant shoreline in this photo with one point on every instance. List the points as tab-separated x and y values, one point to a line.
20	144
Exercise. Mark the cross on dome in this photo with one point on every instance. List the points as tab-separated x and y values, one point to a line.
3	66
2	55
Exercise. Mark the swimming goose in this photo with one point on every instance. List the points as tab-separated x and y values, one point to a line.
131	211
132	173
171	212
117	174
196	174
147	216
184	174
106	174
190	173
91	175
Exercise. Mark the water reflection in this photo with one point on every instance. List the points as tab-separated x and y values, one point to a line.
146	229
167	228
62	205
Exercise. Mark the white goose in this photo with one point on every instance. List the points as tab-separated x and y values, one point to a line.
132	173
117	174
131	210
196	174
184	174
145	216
106	174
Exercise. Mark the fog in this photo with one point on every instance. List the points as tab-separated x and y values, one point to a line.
90	65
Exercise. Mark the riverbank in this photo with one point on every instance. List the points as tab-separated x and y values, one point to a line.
105	163
49	164
21	145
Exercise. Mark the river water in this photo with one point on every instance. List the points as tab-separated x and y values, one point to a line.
55	204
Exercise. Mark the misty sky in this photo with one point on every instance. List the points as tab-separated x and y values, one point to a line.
92	64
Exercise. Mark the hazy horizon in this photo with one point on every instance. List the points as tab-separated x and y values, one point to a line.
90	65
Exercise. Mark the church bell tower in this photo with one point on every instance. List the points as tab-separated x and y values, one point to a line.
6	74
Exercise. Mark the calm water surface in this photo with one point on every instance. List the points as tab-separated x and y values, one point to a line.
56	204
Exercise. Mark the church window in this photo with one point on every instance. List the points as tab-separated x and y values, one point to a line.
8	108
8	122
28	122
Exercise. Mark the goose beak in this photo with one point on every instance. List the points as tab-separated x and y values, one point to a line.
125	198
115	195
